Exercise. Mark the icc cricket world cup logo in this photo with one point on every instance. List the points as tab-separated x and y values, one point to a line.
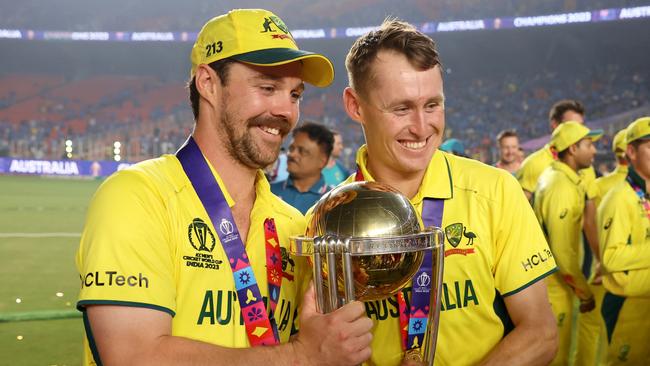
423	281
226	227
199	233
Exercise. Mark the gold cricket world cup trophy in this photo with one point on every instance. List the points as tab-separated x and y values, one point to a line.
366	242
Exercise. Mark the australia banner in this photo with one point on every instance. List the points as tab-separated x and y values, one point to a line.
81	168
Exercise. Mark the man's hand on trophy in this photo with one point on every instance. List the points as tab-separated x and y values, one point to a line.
341	337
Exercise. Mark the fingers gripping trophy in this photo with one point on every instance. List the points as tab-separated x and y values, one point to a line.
366	242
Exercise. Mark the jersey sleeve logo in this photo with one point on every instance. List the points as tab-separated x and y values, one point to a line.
608	223
564	213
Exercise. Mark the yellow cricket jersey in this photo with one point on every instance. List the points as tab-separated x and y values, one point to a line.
606	183
494	249
148	242
624	235
559	205
535	164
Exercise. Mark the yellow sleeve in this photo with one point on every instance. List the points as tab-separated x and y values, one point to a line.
588	176
528	173
626	257
562	221
615	222
522	256
125	256
598	191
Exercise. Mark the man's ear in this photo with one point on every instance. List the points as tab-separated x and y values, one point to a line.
630	153
208	84
351	103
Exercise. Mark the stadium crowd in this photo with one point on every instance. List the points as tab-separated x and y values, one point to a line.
147	124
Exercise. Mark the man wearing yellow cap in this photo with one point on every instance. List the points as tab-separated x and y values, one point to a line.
624	232
184	259
533	166
605	183
559	205
494	307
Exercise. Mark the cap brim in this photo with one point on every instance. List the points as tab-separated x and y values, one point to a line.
317	69
595	135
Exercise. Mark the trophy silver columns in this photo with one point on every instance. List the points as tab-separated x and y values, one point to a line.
366	242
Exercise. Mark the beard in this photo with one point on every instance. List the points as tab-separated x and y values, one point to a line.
241	144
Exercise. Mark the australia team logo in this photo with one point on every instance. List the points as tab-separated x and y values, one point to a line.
455	234
200	236
279	23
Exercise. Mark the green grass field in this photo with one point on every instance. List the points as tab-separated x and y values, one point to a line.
40	223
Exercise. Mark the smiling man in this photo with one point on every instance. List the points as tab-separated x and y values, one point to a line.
183	259
309	153
508	144
494	298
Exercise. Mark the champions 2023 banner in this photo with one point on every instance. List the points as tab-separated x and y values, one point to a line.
67	168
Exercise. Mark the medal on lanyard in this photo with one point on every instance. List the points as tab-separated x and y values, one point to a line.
642	197
259	328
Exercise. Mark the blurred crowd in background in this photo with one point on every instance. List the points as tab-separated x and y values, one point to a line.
91	95
150	118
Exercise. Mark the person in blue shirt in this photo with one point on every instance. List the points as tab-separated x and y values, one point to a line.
308	154
335	172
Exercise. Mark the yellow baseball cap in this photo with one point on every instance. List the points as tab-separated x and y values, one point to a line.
257	37
619	144
638	130
569	133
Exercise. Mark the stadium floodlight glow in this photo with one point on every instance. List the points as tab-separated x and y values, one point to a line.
117	151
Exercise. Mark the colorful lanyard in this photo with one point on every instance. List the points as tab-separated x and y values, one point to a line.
639	192
259	328
413	320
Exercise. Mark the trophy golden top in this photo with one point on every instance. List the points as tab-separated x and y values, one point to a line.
378	227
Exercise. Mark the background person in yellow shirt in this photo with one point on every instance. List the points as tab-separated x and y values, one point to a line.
605	183
533	166
166	277
495	309
624	223
559	205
